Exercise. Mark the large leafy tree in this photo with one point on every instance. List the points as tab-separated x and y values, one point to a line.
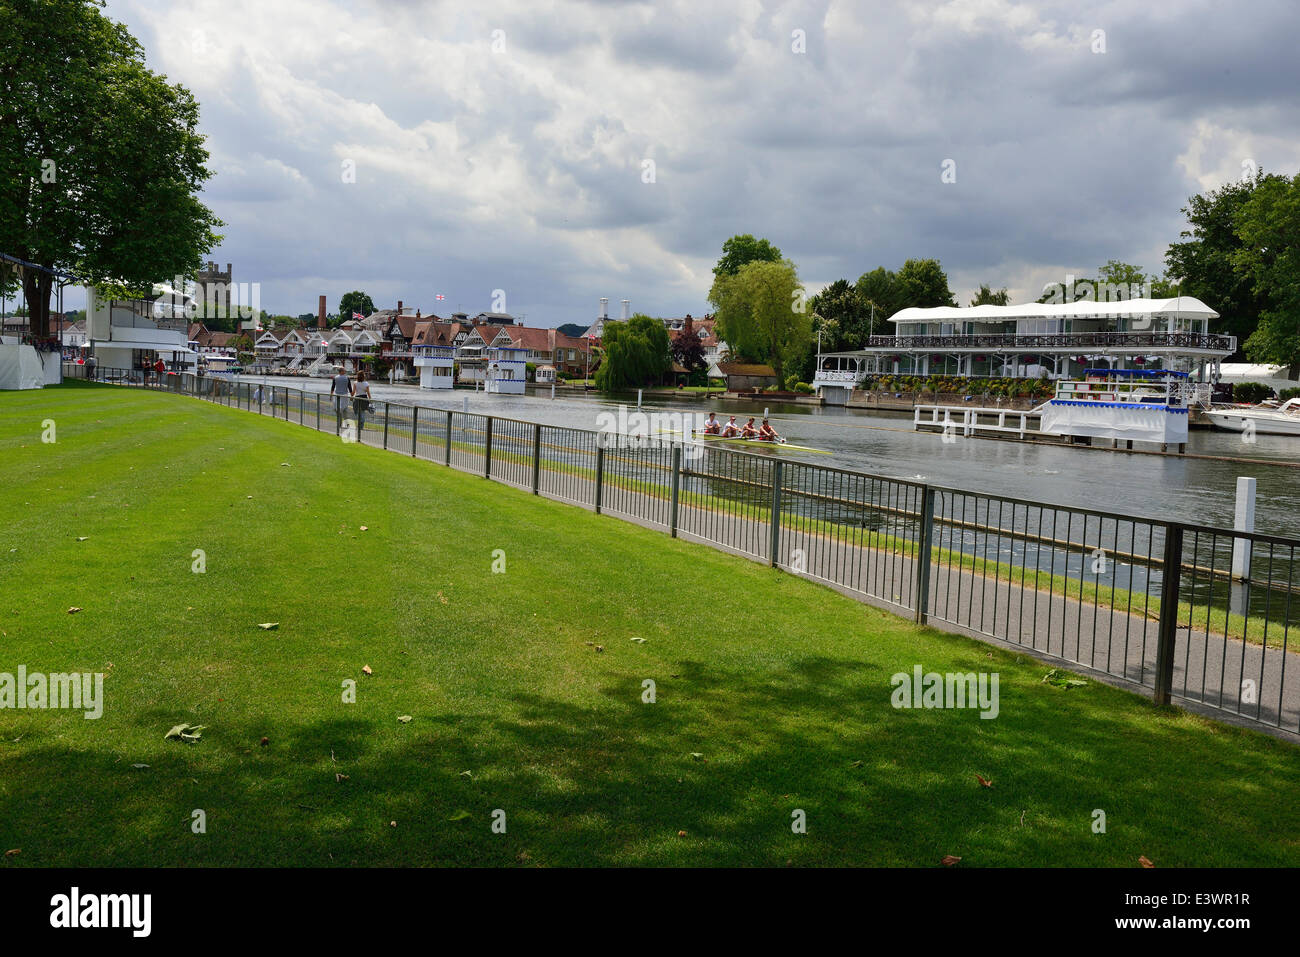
761	313
841	315
741	250
1269	227
1205	263
922	282
100	158
636	354
355	301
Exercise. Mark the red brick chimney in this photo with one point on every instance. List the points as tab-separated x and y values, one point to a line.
399	307
320	314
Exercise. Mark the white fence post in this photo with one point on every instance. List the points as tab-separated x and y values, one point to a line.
1244	522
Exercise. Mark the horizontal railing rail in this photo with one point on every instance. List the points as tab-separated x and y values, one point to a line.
1196	613
1062	342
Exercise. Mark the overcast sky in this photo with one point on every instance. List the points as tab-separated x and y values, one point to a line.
503	146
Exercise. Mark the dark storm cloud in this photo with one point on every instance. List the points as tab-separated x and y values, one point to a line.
520	166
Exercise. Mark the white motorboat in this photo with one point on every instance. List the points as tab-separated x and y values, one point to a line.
1262	419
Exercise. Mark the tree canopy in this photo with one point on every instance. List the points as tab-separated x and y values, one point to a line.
100	158
761	313
1206	263
355	301
1268	224
987	297
636	354
741	250
841	315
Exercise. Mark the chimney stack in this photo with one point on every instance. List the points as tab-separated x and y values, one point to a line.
604	308
230	270
627	305
399	307
320	314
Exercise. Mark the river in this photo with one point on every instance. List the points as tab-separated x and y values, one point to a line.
1195	491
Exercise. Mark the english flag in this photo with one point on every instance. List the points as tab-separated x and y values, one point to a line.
440	296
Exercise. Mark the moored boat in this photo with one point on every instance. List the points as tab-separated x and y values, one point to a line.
1261	419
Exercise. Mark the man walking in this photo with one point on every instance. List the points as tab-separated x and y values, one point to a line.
341	392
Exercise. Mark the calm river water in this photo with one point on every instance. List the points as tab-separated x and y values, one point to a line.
1161	487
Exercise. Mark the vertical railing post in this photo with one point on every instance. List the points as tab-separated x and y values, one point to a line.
447	455
318	412
487	449
537	457
415	427
924	546
1171	576
600	472
385	425
302	406
677	484
774	523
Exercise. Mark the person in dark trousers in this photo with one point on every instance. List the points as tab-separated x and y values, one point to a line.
340	391
360	401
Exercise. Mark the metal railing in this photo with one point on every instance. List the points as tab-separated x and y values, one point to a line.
1199	614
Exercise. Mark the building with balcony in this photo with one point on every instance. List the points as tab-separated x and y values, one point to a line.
1056	340
507	370
436	365
134	334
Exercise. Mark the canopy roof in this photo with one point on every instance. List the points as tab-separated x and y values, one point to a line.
1084	308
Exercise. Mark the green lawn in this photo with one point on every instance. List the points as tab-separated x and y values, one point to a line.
774	703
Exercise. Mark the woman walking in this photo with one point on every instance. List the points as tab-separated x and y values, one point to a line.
360	400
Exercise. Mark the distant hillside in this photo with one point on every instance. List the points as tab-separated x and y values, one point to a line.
571	329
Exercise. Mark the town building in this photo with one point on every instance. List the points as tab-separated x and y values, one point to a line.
1033	340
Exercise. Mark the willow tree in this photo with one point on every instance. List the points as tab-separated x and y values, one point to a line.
762	315
100	158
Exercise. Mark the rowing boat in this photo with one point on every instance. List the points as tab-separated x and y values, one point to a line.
780	444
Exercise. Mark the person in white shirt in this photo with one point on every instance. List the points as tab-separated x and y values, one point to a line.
731	429
361	400
712	426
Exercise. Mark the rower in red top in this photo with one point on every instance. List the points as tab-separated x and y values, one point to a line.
767	433
750	431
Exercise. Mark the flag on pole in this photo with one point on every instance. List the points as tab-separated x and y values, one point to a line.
357	315
440	296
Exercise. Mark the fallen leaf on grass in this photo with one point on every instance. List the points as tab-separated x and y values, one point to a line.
404	718
985	782
639	641
681	833
265	741
856	764
139	766
365	670
185	732
14	853
82	538
392	824
1060	679
949	860
73	610
1145	861
697	756
268	625
467	774
339	777
460	816
600	647
442	598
